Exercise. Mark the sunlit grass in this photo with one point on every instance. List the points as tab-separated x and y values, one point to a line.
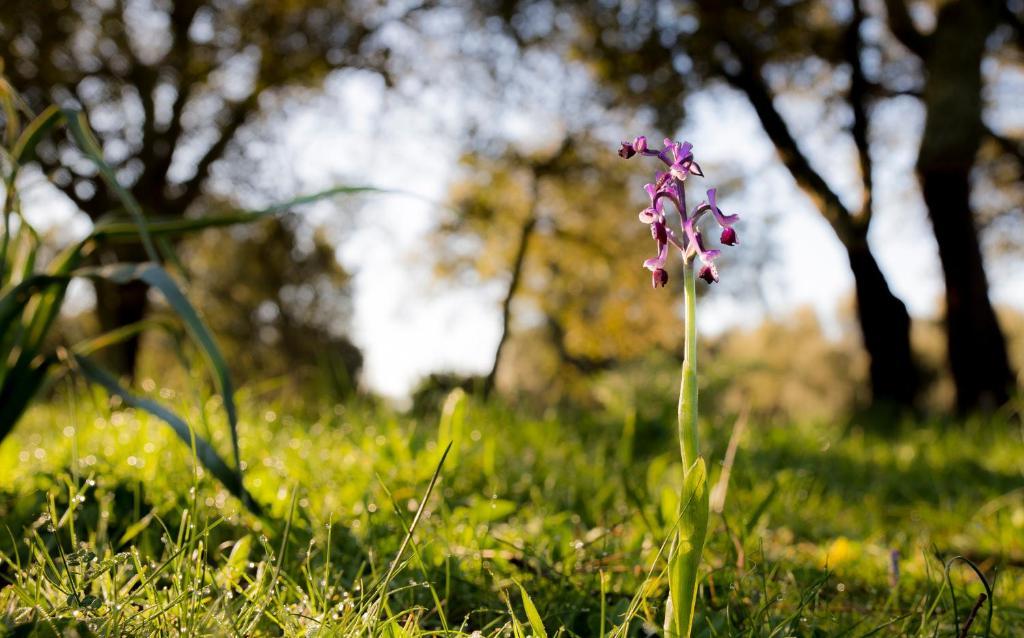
812	515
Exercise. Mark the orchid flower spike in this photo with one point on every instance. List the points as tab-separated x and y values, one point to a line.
670	184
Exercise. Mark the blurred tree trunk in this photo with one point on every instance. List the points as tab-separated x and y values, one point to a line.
747	43
952	136
513	287
885	330
118	306
883	317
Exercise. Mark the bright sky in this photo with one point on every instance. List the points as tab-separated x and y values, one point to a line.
409	324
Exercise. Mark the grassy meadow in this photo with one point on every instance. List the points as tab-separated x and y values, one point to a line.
535	526
232	228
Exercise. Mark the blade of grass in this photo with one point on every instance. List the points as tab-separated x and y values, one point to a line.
156	226
118	335
532	615
33	133
415	521
204	451
158	278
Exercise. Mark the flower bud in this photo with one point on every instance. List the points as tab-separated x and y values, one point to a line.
729	236
708	273
626	151
659	277
640	144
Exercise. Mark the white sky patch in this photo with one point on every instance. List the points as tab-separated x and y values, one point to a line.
408	324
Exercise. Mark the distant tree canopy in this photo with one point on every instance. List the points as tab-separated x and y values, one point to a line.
168	86
279	303
851	55
559	228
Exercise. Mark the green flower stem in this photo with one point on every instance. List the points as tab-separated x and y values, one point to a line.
688	544
688	389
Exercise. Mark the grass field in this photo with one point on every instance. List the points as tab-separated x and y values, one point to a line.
536	527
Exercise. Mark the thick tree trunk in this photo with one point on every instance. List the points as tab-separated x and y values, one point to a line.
884	322
118	306
885	330
953	132
121	305
977	349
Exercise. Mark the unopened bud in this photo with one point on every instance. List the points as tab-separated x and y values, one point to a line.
729	236
659	277
626	151
640	144
708	273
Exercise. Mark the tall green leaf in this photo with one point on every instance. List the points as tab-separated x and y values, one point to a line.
204	451
14	299
156	226
39	303
18	390
684	558
157	278
24	148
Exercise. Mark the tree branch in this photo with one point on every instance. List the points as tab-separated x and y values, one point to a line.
142	77
747	78
525	234
237	116
879	90
1009	145
857	96
902	26
93	207
180	59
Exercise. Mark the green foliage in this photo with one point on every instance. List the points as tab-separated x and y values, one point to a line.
802	547
31	294
30	300
684	559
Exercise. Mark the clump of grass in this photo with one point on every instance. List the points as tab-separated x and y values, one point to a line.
542	513
32	293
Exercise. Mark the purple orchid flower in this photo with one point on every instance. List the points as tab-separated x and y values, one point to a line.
669	184
695	243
